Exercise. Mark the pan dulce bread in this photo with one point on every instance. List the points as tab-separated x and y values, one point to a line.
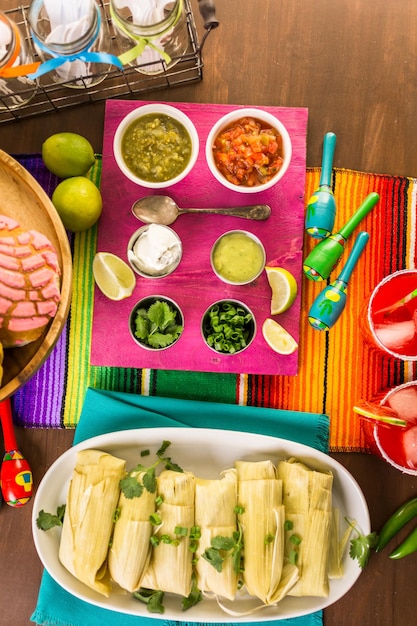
29	283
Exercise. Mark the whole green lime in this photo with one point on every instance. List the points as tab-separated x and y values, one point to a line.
78	202
68	154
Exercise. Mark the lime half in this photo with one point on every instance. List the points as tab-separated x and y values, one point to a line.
113	276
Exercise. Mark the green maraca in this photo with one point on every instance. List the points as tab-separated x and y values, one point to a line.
323	258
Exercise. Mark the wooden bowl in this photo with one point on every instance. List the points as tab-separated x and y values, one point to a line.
23	199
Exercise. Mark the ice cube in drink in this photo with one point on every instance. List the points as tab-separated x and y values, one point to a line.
410	447
404	403
396	336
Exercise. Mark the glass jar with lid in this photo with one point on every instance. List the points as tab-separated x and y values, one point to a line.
16	89
72	41
152	34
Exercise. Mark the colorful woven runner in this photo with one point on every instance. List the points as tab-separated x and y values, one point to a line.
336	368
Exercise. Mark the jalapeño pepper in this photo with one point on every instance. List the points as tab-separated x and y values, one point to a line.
394	524
408	546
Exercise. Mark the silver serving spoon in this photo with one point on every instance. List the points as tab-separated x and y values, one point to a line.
163	210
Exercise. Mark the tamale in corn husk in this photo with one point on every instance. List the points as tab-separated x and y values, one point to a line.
170	567
260	495
88	522
307	496
215	515
131	548
337	546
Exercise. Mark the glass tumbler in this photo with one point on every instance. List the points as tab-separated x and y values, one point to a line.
389	319
71	40
152	34
16	89
397	445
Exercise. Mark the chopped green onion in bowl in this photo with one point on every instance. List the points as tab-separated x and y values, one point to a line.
228	327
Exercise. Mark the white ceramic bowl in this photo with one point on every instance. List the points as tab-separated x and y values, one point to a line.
269	120
163	109
206	453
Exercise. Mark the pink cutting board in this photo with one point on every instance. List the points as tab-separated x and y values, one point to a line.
193	285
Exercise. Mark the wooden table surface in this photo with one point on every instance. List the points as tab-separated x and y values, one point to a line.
353	64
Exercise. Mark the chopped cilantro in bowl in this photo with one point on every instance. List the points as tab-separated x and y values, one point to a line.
228	327
156	322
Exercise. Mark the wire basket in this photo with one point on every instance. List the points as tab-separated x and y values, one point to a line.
115	83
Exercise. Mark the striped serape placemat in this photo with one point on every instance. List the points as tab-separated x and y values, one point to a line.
336	368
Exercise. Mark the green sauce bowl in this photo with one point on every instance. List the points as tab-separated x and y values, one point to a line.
238	257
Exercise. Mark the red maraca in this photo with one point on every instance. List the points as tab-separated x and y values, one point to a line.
15	474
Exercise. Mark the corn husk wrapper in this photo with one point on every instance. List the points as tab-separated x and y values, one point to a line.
337	546
307	496
215	502
131	548
88	521
260	494
170	568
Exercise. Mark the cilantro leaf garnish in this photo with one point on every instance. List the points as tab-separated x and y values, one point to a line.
153	599
132	488
194	597
46	521
157	326
222	548
361	545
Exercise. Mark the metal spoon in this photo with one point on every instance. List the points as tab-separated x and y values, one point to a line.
163	210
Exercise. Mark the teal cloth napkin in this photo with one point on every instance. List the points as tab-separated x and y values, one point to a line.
107	411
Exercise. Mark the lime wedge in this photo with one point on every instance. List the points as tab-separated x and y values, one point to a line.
278	338
378	413
113	276
284	288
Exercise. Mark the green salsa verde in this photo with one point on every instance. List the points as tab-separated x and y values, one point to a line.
156	147
238	258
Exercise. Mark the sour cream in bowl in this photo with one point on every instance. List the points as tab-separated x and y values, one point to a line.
154	251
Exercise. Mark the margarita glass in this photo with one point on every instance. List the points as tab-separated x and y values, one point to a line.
390	319
396	444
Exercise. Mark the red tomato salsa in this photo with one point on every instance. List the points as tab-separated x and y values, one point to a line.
248	153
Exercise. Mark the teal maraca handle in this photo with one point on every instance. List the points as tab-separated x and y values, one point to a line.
329	145
366	206
357	249
321	207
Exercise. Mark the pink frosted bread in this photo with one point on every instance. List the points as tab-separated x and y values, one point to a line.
29	283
